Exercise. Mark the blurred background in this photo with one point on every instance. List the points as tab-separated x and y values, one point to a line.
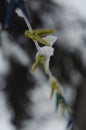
25	96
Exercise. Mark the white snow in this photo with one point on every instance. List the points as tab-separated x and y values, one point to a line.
47	51
51	39
5	114
11	49
4	65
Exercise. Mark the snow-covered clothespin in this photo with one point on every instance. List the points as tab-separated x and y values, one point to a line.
44	53
12	5
39	35
43	57
39	59
55	86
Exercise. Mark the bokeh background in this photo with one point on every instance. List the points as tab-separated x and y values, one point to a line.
24	96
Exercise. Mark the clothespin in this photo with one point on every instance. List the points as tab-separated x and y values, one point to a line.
40	59
58	100
61	100
38	35
55	86
12	5
70	121
43	32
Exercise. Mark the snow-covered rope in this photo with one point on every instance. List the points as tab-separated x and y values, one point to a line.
43	56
